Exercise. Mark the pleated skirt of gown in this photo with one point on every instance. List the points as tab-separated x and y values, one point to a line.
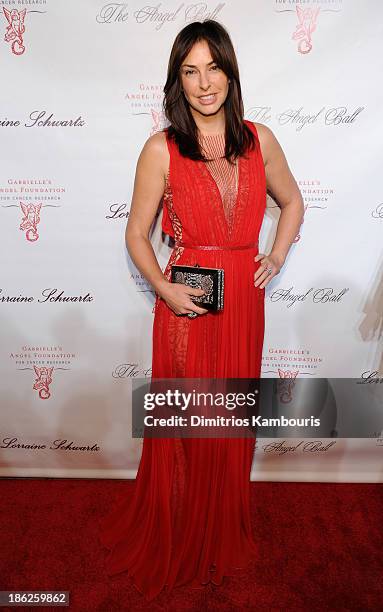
189	519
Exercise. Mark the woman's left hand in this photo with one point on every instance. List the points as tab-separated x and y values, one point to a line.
270	267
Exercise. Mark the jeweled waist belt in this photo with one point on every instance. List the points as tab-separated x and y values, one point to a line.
213	247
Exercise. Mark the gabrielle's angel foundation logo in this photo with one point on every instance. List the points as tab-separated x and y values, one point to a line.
43	380
26	197
307	14
286	384
15	29
30	220
159	121
146	99
307	24
42	364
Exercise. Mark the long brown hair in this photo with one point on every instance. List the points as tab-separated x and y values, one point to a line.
183	129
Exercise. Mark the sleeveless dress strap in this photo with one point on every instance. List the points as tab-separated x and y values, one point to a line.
252	127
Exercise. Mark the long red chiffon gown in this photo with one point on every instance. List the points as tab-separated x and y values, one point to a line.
188	521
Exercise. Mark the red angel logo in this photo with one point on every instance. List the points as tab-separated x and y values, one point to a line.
158	121
44	379
286	385
15	29
30	220
306	26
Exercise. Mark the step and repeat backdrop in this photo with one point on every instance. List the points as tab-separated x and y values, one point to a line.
81	92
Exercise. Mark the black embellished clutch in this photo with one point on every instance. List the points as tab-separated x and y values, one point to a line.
211	280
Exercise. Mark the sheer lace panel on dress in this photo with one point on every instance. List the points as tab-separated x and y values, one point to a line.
222	171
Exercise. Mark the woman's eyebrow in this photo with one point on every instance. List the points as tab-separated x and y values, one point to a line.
192	65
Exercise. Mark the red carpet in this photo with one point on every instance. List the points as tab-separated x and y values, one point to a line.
320	548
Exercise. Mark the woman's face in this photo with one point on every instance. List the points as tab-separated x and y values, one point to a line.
205	85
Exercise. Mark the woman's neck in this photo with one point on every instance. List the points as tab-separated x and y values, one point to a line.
213	134
210	126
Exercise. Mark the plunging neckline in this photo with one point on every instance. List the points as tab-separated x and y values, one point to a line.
229	234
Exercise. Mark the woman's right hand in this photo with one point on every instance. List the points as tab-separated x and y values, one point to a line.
178	298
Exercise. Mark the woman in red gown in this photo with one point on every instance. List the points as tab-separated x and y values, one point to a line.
189	519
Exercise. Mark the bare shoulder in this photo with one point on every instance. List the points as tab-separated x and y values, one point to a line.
268	142
157	142
155	153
